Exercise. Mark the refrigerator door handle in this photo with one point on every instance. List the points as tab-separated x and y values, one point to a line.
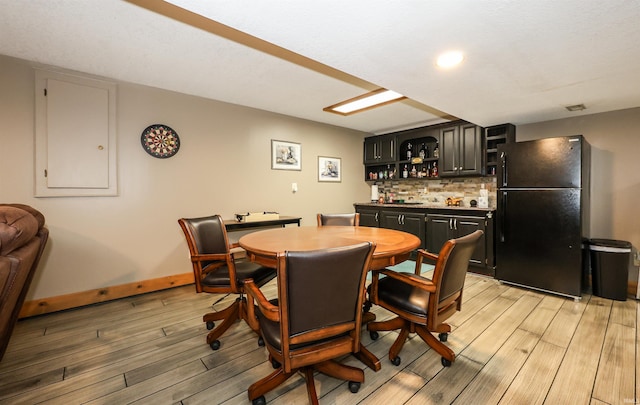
503	196
503	162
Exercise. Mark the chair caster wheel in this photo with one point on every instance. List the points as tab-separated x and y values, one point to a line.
260	342
396	361
446	362
275	364
210	325
443	336
215	345
259	401
374	335
354	386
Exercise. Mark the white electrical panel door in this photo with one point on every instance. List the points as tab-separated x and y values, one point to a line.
77	136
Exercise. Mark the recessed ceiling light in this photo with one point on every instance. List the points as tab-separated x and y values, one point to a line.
449	59
367	101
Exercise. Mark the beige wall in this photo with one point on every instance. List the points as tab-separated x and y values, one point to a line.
615	169
223	166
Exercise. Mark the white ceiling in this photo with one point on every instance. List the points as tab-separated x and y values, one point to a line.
524	60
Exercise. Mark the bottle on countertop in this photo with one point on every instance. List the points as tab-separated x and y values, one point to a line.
423	152
436	151
414	173
405	172
409	151
434	170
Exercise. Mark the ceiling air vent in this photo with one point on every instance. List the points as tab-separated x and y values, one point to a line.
577	107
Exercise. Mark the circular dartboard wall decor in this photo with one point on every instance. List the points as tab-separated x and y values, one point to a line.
160	141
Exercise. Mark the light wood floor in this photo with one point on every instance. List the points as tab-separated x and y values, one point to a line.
514	346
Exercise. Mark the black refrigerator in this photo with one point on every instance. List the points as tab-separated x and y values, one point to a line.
543	213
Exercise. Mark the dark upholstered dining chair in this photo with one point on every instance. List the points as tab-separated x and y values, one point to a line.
316	318
216	271
339	219
422	305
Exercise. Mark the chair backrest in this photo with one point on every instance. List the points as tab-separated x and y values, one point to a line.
450	271
206	236
339	219
321	292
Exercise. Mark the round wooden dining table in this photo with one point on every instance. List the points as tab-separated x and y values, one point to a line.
392	247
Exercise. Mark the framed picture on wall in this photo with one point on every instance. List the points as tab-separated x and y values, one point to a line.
329	169
286	155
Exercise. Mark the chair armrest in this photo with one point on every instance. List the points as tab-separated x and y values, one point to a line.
202	258
423	254
427	255
412	279
267	309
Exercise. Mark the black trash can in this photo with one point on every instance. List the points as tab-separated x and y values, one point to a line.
610	268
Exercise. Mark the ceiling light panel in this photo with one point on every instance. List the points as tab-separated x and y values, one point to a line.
367	101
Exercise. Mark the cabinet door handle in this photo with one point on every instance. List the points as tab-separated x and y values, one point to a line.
455	224
402	219
450	223
376	217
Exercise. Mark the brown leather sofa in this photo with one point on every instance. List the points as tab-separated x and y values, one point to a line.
22	240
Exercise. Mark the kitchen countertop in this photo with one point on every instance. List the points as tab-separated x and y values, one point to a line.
412	205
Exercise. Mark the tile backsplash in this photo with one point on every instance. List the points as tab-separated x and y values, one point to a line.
434	192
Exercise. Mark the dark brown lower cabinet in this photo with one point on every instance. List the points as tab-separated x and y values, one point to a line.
409	222
434	226
441	228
